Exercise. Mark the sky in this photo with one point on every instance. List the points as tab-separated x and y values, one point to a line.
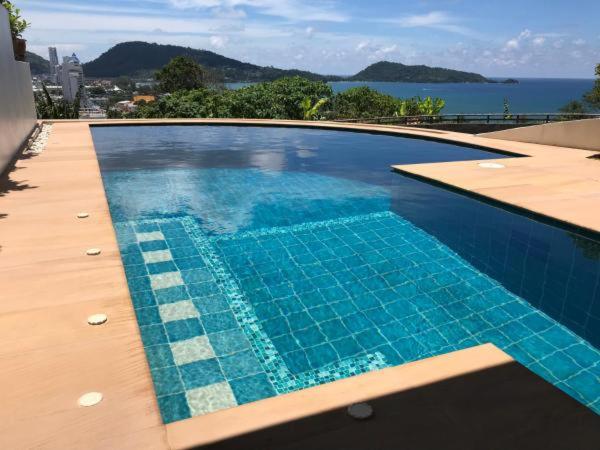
503	38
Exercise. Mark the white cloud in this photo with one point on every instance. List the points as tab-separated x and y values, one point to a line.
539	41
436	19
218	41
310	32
295	10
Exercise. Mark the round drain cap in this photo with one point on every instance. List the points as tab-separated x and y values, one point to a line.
83	215
93	252
97	319
360	411
90	399
491	165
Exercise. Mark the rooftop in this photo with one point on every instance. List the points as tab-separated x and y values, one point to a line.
53	356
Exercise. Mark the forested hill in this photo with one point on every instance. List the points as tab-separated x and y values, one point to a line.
37	64
389	71
143	59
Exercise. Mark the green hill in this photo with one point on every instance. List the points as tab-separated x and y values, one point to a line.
141	59
389	71
37	64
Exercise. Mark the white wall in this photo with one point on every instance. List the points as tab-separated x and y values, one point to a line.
17	108
584	134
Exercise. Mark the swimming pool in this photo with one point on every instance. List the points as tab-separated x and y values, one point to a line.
265	260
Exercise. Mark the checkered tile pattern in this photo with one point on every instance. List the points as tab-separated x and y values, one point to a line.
230	319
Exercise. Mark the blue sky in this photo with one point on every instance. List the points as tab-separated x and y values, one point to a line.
537	38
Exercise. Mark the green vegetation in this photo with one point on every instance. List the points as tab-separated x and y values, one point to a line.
590	101
187	94
389	71
17	24
180	74
48	108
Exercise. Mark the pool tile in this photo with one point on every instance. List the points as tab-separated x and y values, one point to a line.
252	388
148	316
143	299
151	246
150	236
182	310
171	295
191	350
211	398
201	373
180	330
221	321
174	408
166	280
161	267
153	335
211	304
240	365
228	342
346	347
159	356
167	381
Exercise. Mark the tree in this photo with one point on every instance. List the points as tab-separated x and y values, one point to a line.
181	73
310	110
48	108
592	98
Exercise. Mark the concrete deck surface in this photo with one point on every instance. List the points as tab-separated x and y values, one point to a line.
50	355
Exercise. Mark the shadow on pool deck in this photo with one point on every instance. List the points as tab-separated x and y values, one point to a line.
503	407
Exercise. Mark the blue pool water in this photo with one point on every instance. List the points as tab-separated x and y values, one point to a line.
265	260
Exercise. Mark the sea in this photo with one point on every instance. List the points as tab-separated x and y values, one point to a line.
530	95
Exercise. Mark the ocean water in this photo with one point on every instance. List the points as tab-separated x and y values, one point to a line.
261	261
531	95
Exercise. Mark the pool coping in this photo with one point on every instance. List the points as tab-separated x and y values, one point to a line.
41	235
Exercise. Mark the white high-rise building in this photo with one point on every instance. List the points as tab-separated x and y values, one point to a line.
54	67
72	78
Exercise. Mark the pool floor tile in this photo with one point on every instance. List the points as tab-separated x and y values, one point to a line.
211	398
185	309
201	373
191	350
252	388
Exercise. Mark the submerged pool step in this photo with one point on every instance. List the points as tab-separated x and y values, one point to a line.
230	319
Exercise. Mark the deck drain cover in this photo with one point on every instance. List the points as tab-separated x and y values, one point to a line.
360	411
83	215
90	399
491	165
93	252
97	319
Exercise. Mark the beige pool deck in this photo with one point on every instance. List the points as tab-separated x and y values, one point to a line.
473	399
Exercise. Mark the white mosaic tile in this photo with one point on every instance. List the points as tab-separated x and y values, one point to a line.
195	349
207	399
177	311
152	236
166	280
157	256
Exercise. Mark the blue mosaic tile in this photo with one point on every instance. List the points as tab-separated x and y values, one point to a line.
153	335
221	321
159	356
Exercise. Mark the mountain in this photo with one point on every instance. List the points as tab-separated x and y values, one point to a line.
37	64
390	71
141	59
